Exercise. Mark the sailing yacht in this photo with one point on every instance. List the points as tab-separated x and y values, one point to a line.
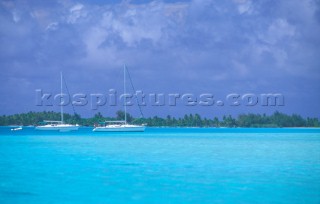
120	125
57	125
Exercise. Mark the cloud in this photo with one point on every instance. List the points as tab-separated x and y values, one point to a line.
277	31
16	16
244	6
75	12
190	44
53	26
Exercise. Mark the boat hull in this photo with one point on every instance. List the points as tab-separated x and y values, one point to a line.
64	128
120	129
16	129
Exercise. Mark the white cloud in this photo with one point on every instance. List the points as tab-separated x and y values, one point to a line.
16	16
52	26
141	22
45	18
75	12
130	26
76	8
277	31
244	6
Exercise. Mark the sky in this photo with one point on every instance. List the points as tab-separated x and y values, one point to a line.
245	48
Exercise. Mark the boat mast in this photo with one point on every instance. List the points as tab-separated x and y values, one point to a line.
61	105
124	92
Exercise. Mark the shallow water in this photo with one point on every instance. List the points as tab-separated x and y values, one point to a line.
161	165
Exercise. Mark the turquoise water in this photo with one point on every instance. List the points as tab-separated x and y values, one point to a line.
161	165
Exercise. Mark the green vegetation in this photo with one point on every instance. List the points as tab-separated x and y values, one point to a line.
277	119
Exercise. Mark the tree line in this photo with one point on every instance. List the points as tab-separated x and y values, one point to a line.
277	119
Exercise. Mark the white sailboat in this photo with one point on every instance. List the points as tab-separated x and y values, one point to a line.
120	125
58	125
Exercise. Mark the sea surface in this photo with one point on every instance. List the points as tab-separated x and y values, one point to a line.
161	165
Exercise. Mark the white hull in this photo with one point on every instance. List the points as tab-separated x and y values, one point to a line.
61	128
16	129
120	128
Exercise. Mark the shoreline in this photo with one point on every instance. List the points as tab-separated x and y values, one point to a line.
178	127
